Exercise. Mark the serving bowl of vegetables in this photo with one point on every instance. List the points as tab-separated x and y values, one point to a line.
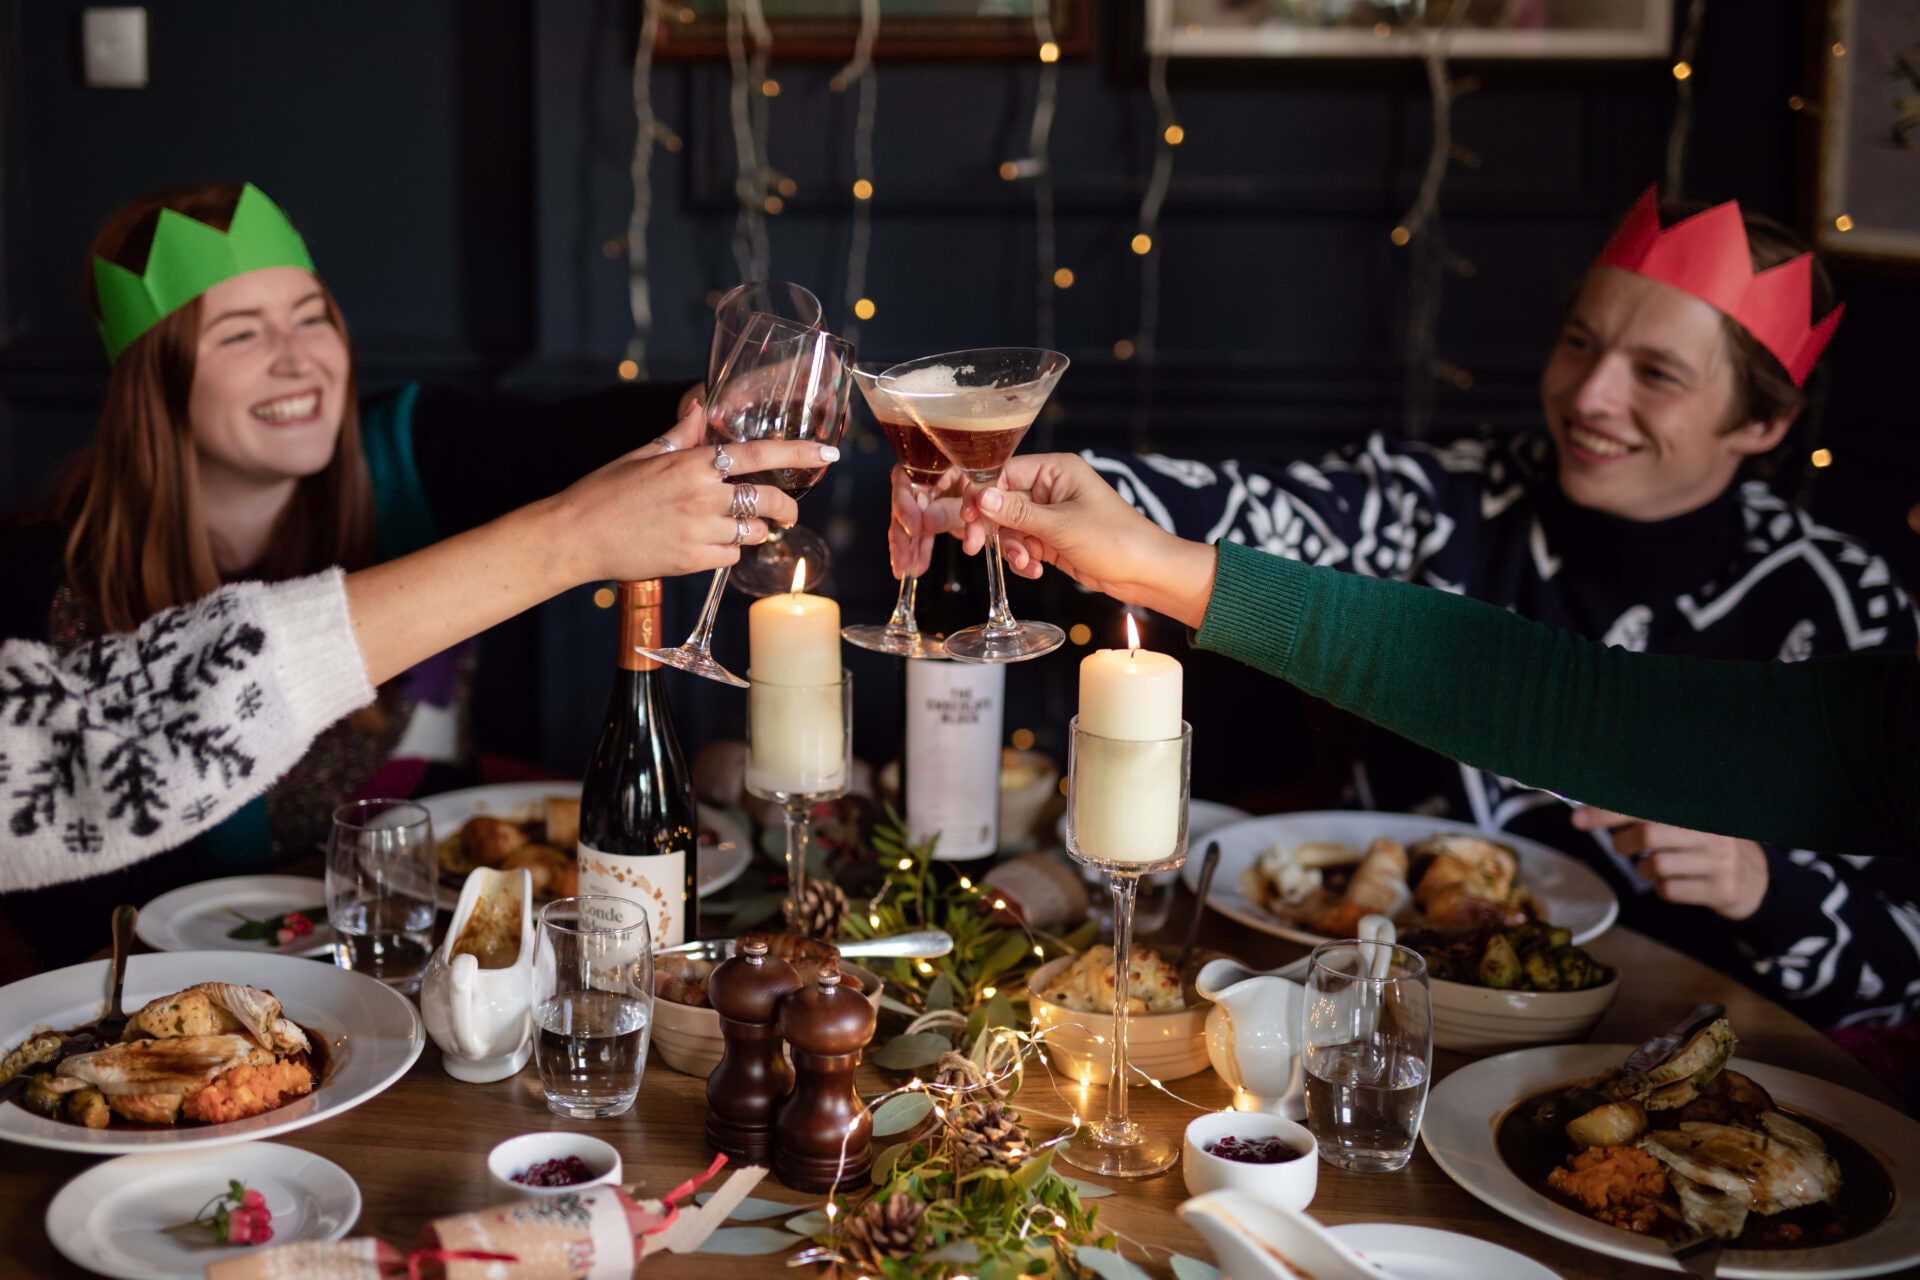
1498	989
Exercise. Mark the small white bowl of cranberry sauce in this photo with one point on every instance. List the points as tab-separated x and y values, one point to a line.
1252	1151
551	1164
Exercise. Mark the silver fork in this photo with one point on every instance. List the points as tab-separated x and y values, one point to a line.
1699	1256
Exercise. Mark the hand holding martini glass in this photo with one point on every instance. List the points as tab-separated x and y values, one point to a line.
976	407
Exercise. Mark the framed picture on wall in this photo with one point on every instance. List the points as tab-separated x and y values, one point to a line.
1868	202
1398	28
908	28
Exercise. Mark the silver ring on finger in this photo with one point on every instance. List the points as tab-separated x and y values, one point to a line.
722	460
746	502
741	529
666	445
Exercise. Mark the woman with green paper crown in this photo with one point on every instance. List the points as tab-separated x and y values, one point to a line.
231	446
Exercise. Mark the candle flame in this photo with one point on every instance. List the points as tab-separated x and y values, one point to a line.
1133	634
800	576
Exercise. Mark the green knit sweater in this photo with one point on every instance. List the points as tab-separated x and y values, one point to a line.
1822	754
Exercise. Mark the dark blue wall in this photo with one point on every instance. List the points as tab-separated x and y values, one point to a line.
461	167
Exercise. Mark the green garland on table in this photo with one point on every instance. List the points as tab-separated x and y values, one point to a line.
982	981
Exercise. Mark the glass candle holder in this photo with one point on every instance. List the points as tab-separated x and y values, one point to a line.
1126	816
799	752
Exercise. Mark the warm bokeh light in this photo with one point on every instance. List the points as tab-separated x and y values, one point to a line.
1009	171
628	370
770	87
1175	135
1843	223
1681	70
1839	50
1796	103
1022	739
1400	235
1123	349
863	190
864	308
1063	278
773	204
1142	243
1080	633
787	186
603	598
1822	458
1049	52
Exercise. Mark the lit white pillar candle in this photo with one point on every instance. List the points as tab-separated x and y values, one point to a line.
797	724
1126	785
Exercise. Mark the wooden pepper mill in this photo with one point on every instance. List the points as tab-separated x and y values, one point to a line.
746	1089
827	1025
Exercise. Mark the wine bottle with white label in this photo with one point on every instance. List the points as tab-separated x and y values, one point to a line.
955	711
639	827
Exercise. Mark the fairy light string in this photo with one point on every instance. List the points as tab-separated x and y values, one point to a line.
1168	134
860	70
1420	227
752	251
1039	141
1684	69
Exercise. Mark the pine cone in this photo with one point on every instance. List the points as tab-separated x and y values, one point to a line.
823	909
879	1231
957	1071
988	1134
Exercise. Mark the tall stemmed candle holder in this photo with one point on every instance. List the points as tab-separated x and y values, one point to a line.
799	752
1127	793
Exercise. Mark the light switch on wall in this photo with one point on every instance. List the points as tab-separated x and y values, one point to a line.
114	43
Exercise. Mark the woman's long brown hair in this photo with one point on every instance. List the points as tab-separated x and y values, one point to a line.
137	540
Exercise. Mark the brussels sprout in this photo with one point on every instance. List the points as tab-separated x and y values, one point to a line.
1557	938
1577	969
1541	972
88	1107
41	1100
1499	964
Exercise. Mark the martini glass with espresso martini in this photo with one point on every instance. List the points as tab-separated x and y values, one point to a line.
976	407
925	466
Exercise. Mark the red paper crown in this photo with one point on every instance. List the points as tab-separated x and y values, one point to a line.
1707	256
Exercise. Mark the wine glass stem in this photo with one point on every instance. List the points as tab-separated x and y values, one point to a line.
999	616
799	822
902	622
1124	890
702	638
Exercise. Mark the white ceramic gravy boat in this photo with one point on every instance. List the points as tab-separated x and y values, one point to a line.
1253	1028
482	1019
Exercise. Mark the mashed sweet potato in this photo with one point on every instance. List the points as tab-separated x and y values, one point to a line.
247	1091
1620	1186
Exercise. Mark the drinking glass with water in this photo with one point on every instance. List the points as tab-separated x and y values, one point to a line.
1366	1040
592	1003
382	882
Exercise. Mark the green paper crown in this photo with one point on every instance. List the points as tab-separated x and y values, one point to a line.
187	259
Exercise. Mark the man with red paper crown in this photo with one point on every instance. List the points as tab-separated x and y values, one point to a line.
1679	367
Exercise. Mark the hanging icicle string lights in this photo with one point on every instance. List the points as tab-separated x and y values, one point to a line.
1420	227
752	253
860	242
1039	140
646	132
1684	67
1144	348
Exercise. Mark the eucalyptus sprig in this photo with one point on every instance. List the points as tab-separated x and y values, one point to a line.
984	977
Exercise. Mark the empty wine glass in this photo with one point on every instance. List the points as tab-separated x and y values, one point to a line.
768	568
780	382
924	465
976	406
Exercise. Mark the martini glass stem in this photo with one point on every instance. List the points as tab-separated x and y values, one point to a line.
1117	1127
902	622
1000	617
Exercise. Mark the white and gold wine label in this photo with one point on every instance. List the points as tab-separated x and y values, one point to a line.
657	881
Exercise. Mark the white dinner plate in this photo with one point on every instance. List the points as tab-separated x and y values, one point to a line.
1465	1111
1426	1253
111	1218
722	860
196	917
1569	894
372	1032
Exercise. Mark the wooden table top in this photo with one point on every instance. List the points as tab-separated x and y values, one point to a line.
418	1150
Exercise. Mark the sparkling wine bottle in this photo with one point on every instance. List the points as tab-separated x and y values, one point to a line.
639	827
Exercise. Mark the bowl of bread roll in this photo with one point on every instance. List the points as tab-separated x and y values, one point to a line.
1072	1001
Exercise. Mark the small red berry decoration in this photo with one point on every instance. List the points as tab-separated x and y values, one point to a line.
236	1216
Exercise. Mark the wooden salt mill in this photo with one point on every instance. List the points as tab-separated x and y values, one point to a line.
746	1089
827	1025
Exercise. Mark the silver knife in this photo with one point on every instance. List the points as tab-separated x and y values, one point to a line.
1699	1256
924	945
1656	1050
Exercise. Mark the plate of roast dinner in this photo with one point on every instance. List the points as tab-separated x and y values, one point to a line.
219	1047
1791	1175
1309	877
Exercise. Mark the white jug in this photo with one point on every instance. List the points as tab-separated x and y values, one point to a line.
1252	1034
1254	1239
482	1019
